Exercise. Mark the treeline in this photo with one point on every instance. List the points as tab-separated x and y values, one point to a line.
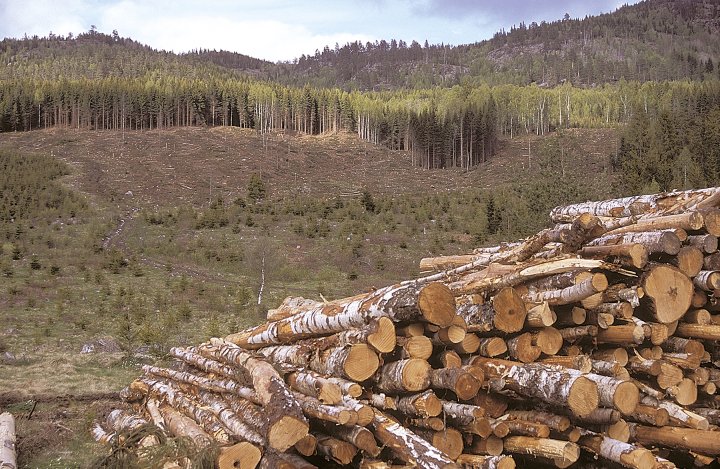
672	148
455	127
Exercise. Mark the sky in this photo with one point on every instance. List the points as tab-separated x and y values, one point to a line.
281	30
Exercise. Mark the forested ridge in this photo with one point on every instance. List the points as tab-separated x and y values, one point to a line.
104	82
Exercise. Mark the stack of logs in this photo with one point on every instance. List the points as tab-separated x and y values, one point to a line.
594	339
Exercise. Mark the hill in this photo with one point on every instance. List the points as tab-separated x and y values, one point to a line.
652	40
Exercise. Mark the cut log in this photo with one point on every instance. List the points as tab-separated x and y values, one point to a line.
356	362
358	436
699	331
647	205
701	441
201	382
425	404
571	317
685	392
668	292
475	461
8	454
339	451
577	362
562	451
312	384
207	365
308	445
248	428
286	422
521	348
595	283
206	419
274	460
469	344
548	339
689	221
625	454
449	441
526	428
540	316
712	415
621	309
416	347
433	303
655	416
617	355
621	395
677	414
492	347
491	445
664	242
347	387
408	446
689	260
458	380
411	375
431	423
506	312
241	455
556	386
494	405
316	409
707	280
621	335
707	243
632	255
572	334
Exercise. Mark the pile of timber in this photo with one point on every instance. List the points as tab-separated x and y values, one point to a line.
594	339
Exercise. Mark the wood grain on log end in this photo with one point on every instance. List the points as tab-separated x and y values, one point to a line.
437	304
242	455
510	312
583	396
383	339
361	363
668	292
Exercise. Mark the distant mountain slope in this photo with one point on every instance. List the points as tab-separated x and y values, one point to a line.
652	40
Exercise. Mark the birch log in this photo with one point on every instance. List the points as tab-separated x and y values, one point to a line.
407	445
433	303
554	385
8	455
